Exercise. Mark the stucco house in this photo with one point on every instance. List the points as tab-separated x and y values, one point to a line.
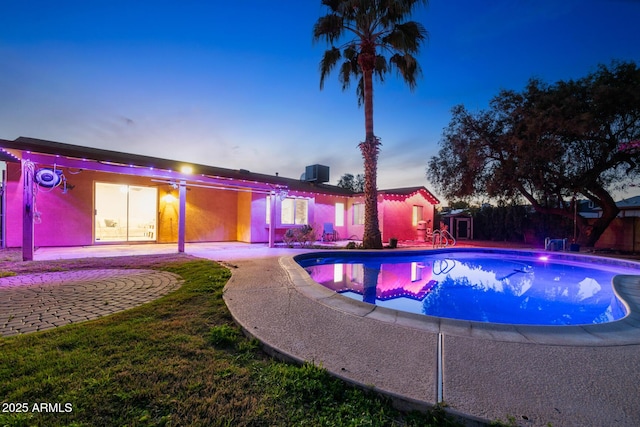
56	194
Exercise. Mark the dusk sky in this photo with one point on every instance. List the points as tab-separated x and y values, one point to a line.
236	84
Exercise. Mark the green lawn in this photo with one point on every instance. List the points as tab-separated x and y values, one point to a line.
178	361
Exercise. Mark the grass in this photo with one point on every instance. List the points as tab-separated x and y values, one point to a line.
177	361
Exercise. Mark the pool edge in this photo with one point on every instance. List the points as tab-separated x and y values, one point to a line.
625	331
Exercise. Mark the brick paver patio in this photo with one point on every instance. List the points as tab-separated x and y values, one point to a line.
36	302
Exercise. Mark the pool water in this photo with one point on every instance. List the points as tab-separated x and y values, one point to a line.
485	286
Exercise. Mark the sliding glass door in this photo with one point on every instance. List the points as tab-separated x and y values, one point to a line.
125	213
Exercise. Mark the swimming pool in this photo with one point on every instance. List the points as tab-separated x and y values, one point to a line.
494	286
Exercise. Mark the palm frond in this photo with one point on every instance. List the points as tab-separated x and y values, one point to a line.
380	67
350	67
328	62
351	52
408	67
406	37
378	31
333	5
346	71
329	28
394	11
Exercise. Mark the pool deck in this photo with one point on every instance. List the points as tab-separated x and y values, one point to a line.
536	376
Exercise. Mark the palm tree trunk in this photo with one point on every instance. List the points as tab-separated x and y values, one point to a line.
371	238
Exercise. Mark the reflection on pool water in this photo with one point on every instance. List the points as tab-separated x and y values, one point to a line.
497	286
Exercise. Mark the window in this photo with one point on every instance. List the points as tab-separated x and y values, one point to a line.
416	215
294	211
125	212
339	214
358	214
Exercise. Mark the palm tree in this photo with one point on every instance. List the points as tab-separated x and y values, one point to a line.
372	28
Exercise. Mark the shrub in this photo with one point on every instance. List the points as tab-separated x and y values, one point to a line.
354	245
304	236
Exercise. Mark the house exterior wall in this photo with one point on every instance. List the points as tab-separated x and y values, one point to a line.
252	218
67	219
354	230
397	215
13	214
625	213
280	228
252	214
211	215
168	216
325	212
64	219
243	231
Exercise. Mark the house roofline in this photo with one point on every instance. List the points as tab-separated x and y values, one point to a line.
103	156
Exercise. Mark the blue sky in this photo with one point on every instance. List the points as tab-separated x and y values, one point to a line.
236	84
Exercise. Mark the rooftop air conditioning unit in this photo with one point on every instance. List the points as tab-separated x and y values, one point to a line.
316	173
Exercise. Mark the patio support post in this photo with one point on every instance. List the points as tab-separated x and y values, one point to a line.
181	215
272	218
27	213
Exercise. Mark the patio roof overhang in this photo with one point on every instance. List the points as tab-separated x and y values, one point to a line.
48	153
43	154
74	156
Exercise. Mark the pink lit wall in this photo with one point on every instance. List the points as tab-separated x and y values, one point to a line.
252	212
67	219
13	194
396	212
325	212
354	230
252	218
64	219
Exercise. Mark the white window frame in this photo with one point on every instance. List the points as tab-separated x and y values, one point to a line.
298	214
358	213
339	220
417	214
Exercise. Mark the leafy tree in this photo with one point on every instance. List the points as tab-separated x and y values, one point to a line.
549	144
459	204
372	28
355	184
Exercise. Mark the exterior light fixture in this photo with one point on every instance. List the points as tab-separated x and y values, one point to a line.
186	169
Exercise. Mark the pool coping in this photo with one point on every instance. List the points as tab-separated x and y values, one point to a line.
625	331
